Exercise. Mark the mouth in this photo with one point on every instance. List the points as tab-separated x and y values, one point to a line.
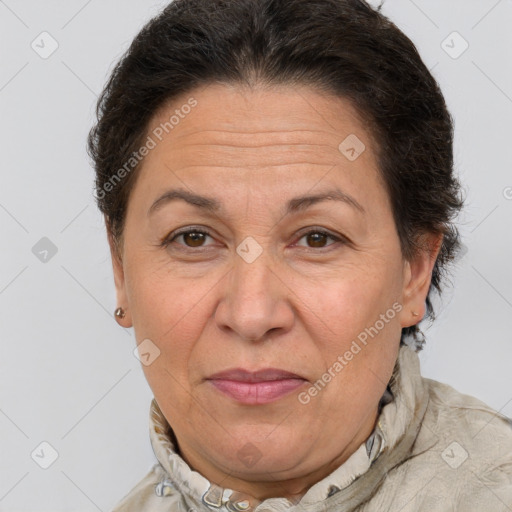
256	388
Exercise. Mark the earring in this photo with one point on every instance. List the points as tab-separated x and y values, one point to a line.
119	313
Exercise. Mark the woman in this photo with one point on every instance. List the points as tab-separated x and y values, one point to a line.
277	184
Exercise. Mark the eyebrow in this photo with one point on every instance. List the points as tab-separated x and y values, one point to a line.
292	206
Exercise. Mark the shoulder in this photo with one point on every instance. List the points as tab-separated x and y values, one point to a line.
464	448
151	493
484	431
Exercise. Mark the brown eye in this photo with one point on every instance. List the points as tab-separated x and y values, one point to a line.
318	238
192	238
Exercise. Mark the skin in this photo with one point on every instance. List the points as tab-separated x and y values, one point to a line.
297	307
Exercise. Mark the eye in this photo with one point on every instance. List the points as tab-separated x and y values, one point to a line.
318	236
192	237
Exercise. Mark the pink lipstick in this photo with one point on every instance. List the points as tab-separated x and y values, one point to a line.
260	387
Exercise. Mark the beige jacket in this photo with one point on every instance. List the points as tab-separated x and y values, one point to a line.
433	450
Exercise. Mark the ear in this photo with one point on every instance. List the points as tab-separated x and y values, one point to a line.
417	279
119	281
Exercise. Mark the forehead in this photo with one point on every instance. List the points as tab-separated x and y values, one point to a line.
259	110
264	126
263	138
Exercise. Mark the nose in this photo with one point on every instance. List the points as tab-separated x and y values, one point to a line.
255	300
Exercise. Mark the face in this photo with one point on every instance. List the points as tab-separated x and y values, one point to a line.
255	276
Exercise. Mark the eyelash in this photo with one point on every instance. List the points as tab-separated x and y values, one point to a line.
173	236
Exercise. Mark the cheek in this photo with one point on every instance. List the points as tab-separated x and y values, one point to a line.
357	344
170	313
163	305
346	306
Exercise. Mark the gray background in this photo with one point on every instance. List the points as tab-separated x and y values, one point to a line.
68	373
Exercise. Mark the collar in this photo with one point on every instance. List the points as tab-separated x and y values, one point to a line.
402	408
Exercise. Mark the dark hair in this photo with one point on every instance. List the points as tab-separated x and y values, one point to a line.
344	47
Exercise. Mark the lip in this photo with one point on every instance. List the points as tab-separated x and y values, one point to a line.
260	387
266	374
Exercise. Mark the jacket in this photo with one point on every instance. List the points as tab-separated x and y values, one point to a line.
433	449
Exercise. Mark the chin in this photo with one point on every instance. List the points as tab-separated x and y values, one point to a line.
250	453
